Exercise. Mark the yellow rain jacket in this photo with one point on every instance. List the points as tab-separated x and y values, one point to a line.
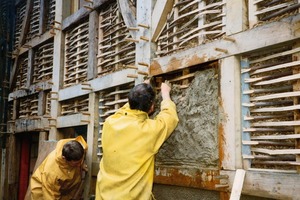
130	140
55	178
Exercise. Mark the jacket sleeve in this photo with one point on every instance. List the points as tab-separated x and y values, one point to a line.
165	122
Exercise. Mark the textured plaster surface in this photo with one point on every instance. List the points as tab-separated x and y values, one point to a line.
195	140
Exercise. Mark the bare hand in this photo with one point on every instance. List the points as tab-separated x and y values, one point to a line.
165	90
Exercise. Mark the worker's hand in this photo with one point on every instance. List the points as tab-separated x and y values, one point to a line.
165	90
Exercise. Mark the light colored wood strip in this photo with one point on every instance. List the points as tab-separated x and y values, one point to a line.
276	137
280	123
278	80
276	96
277	151
277	109
237	184
276	67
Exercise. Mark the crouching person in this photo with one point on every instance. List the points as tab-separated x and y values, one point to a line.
60	174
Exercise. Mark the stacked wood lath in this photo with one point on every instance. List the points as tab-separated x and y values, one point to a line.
191	23
114	50
76	55
270	110
20	13
34	21
261	10
28	107
111	100
73	106
50	14
21	80
43	63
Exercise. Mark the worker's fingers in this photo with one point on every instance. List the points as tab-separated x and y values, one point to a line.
168	83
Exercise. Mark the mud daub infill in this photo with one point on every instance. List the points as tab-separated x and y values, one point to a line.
195	140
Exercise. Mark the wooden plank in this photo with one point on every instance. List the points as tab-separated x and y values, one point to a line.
230	78
279	80
98	84
128	16
279	123
206	52
237	184
276	137
276	96
161	9
276	109
272	184
236	11
276	151
276	67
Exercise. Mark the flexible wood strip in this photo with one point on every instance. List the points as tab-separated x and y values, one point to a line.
271	109
191	23
114	50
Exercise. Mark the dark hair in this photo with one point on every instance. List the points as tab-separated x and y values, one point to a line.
73	150
141	97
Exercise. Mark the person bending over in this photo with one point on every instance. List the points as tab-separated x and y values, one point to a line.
59	176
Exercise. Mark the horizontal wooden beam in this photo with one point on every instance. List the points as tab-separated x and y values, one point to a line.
33	89
268	184
257	38
98	84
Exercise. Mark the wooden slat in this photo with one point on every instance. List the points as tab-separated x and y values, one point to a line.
280	123
276	67
279	80
276	109
277	151
276	96
276	137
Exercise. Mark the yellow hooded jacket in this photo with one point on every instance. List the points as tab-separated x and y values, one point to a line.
130	140
54	178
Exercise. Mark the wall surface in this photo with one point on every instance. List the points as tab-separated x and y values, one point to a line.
195	140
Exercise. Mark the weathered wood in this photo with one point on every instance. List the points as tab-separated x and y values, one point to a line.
161	9
276	151
98	84
237	184
206	52
268	183
276	96
128	15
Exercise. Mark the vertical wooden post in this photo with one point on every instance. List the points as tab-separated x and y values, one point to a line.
236	16
230	128
253	19
30	67
93	45
92	138
296	87
143	48
58	53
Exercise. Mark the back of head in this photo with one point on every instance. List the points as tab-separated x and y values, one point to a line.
72	151
141	97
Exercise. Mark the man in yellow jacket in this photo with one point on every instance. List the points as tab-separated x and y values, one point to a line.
130	140
59	175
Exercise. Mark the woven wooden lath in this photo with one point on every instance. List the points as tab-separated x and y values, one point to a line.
51	14
28	107
34	21
43	63
271	109
20	14
21	79
74	106
109	102
191	23
76	55
264	10
114	51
